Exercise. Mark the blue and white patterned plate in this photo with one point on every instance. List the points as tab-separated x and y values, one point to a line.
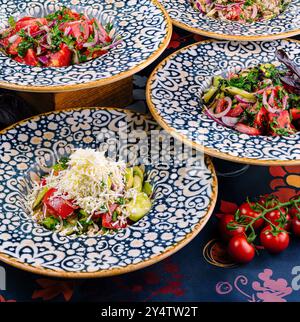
185	16
144	26
176	85
184	196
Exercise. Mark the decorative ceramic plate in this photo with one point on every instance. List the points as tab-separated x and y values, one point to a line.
144	39
176	85
184	196
185	16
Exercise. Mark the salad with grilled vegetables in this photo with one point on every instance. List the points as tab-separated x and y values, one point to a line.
242	11
88	193
60	39
262	100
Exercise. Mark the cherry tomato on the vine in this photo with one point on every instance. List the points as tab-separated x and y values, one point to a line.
274	241
279	217
246	210
228	227
240	250
296	226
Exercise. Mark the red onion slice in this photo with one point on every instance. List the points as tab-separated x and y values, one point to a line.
225	112
267	105
230	121
13	38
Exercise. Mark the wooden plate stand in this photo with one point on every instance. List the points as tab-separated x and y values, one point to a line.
118	94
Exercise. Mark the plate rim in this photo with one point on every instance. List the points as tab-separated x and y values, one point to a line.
132	267
207	150
216	35
105	81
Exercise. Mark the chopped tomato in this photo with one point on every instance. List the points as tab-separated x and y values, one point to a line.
60	58
234	13
261	117
13	48
58	206
30	22
247	129
31	58
97	53
19	59
295	113
282	121
107	222
237	110
79	29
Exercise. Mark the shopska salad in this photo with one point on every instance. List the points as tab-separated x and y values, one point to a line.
262	100
88	193
62	38
242	11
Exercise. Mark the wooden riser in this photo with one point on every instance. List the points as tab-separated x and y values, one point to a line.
118	94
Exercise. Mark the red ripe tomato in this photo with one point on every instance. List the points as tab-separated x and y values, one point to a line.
295	113
13	48
108	223
79	29
31	58
237	110
288	222
296	226
58	206
275	216
293	211
268	201
260	117
30	22
243	128
248	213
240	250
225	231
61	58
274	241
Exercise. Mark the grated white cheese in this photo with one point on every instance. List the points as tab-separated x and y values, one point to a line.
91	180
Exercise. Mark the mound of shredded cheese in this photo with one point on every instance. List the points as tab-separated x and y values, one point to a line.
91	180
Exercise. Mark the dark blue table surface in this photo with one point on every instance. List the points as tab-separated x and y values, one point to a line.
192	274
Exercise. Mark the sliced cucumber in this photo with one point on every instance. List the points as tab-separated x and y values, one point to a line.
139	207
237	91
147	188
40	197
137	171
137	183
50	222
129	178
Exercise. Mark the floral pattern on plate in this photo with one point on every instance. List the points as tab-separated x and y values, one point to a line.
138	48
184	197
185	16
176	85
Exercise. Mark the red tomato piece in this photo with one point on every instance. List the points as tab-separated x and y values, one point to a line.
31	58
295	113
274	241
61	58
281	121
108	223
247	211
30	22
13	48
226	227
241	250
296	226
79	29
243	128
58	206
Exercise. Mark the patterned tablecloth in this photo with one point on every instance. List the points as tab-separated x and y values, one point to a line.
198	272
